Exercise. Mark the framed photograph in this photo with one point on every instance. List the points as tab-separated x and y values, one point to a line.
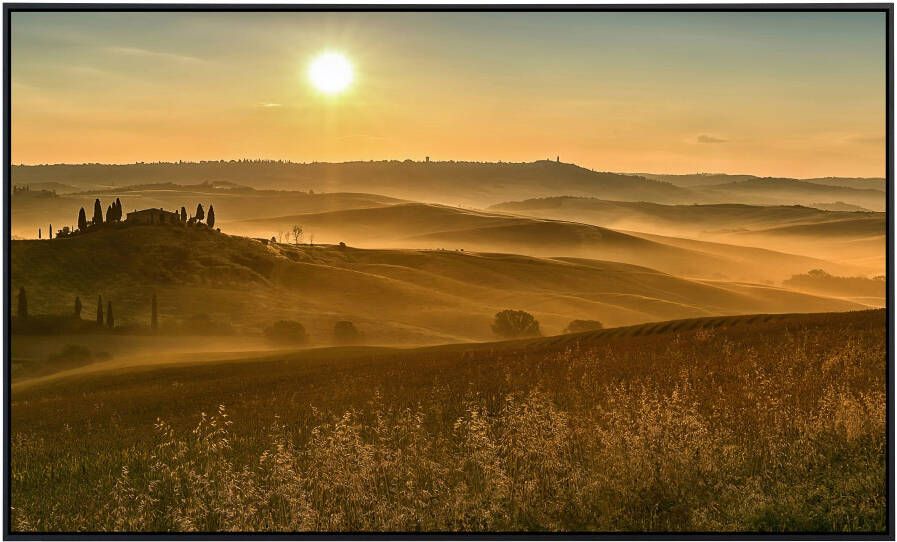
592	271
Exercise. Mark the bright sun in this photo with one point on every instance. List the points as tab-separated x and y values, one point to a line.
330	73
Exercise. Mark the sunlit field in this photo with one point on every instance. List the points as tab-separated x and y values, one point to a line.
769	423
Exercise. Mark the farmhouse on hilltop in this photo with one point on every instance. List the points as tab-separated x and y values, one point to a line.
153	216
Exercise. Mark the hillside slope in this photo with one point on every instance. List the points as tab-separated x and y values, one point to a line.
469	183
395	296
667	426
855	239
436	226
231	203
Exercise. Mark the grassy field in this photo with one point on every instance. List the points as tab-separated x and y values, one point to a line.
770	423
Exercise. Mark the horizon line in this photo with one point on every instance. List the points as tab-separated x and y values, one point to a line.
406	160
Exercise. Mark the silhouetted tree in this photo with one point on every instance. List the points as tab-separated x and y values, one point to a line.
82	220
345	332
118	210
286	331
183	214
511	324
211	220
296	232
50	232
22	309
154	322
110	214
77	307
579	326
110	319
99	310
39	234
97	212
200	214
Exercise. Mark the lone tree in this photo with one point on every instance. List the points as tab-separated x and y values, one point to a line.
296	232
211	218
345	332
97	212
183	214
82	220
200	214
286	331
22	309
579	326
99	310
511	324
77	307
154	322
110	319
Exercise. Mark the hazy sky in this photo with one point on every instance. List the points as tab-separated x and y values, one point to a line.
797	94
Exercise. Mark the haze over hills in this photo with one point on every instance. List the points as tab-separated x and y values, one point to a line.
31	211
854	238
709	179
396	296
467	183
436	226
477	184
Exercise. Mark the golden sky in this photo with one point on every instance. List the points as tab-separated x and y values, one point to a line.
785	94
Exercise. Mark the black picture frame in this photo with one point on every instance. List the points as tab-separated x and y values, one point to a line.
886	8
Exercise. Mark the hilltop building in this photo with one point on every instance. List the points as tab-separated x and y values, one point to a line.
153	216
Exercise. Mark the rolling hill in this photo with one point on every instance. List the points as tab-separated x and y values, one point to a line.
848	237
437	226
784	412
395	296
868	193
467	183
232	202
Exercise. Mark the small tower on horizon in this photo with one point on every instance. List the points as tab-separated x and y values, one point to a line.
558	159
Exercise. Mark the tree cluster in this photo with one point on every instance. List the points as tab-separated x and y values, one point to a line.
114	213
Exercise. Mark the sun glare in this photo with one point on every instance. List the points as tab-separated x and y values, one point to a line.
330	73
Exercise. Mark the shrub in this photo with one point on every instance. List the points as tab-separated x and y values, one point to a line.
286	331
512	324
345	332
579	326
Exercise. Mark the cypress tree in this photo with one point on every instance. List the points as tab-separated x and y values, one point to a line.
50	232
77	307
183	214
118	212
99	310
200	214
22	311
211	219
110	319
97	212
39	236
110	214
82	220
155	318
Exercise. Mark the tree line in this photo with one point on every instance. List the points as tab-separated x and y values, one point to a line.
114	213
104	317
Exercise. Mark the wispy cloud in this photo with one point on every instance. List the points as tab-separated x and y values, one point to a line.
866	139
269	105
149	53
704	138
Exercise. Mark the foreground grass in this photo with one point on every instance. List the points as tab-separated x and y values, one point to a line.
773	425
